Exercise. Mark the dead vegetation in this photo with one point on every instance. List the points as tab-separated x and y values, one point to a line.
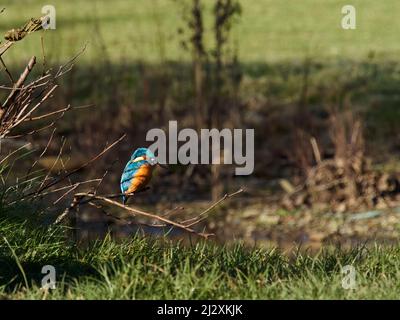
215	73
345	183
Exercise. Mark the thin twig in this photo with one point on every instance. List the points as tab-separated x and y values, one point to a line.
20	81
91	198
79	168
10	77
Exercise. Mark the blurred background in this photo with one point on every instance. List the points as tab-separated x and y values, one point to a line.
324	103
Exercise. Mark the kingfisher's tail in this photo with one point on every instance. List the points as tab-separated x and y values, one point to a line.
124	199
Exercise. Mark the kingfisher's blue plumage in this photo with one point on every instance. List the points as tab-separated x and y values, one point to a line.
137	172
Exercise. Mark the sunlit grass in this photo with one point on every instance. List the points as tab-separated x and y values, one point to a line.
147	269
269	30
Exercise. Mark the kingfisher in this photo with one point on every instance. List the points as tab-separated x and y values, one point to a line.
138	172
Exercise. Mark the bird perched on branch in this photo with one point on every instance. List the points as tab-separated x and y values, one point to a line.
137	172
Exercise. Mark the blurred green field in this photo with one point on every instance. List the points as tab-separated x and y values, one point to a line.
269	30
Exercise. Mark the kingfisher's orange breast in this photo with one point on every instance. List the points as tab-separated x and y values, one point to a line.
141	178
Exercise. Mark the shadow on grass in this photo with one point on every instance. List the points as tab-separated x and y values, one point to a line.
27	245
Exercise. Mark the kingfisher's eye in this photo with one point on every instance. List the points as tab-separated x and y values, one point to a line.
152	161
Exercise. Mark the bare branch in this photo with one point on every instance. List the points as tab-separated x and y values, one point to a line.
91	198
20	82
58	180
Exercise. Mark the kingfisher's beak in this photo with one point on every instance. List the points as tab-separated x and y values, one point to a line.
163	166
153	161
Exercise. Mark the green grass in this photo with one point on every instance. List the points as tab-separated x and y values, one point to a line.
147	269
269	30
